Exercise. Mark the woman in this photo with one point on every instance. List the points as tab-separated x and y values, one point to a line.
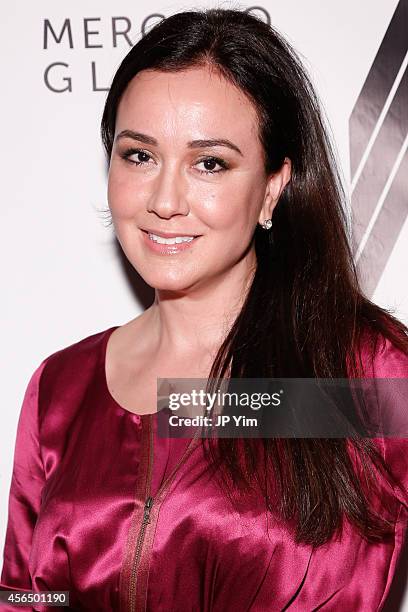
224	197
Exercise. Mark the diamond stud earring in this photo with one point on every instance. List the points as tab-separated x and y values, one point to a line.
267	224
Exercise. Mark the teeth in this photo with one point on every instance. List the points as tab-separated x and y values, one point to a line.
176	240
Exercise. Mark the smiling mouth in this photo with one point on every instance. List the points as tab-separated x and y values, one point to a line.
168	243
170	238
175	240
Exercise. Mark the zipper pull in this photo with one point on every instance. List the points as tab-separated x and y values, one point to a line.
147	507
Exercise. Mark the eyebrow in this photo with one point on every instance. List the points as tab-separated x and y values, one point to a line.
203	143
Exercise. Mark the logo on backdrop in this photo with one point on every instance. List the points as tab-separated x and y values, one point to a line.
62	36
378	154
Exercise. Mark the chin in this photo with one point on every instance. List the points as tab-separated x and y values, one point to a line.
171	283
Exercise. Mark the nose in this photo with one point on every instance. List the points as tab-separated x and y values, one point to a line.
169	194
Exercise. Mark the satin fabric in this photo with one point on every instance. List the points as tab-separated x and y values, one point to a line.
76	506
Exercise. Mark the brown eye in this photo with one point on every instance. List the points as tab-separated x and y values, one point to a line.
142	156
210	164
136	156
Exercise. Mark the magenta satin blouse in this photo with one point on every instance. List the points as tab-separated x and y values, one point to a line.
85	473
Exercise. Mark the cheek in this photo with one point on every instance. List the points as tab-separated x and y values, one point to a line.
121	194
232	211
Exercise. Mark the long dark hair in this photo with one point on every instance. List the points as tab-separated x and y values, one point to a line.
305	314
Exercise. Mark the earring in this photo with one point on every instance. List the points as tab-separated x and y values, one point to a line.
267	224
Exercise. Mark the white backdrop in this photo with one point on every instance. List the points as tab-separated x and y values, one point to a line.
62	276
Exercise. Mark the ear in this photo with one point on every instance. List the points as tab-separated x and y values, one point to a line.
275	185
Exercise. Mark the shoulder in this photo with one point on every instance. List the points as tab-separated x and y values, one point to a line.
58	383
81	352
70	365
383	358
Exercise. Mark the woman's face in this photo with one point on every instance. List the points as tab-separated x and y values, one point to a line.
187	168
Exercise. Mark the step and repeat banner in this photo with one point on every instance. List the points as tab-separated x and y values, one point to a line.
64	276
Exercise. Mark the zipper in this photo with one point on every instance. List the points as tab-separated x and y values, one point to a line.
149	501
145	521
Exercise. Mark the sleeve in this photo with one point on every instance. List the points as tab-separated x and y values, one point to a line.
391	363
27	482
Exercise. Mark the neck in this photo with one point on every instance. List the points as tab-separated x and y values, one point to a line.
199	319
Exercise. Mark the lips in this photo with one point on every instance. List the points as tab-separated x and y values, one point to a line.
176	240
169	234
168	243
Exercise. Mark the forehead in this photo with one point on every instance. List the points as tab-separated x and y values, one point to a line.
186	104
